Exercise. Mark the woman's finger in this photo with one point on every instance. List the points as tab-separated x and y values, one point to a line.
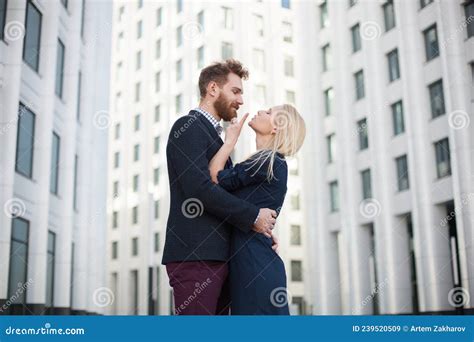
242	121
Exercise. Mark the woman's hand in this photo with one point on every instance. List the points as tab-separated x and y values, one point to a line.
232	132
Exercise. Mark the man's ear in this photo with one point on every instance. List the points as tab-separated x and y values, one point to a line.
213	89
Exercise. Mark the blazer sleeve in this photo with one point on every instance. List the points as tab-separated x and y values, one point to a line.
241	175
186	152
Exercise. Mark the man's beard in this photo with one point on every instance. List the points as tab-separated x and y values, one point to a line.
224	108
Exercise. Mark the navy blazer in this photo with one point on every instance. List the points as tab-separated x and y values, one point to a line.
202	213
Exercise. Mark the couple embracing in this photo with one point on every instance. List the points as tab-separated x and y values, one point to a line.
220	253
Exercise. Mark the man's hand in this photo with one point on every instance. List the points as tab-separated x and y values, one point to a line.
265	222
275	243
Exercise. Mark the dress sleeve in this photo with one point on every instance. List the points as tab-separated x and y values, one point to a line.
241	175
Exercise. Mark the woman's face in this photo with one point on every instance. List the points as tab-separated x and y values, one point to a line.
263	122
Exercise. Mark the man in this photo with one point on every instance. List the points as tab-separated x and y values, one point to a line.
202	214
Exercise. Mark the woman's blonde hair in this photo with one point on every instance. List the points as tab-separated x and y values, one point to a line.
288	139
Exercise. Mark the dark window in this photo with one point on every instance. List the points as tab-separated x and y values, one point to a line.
437	98
334	195
18	271
443	158
285	3
3	16
424	3
31	48
356	41
76	170
393	65
389	15
402	173
431	42
359	84
366	184
50	270
362	129
296	270
54	173
469	12
397	117
60	69
25	141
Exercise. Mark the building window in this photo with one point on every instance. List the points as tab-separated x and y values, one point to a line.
469	12
200	20
289	66
227	18
76	176
54	173
334	196
115	189
290	97
402	173
227	50
285	4
179	70
156	145
117	131
60	69
200	57
79	96
328	101
326	52
296	270
331	145
323	14
158	49
83	12
259	25
50	269
156	209
389	15
138	60
352	2
259	59
156	240
32	39
3	15
287	32
393	65
366	184
136	183
179	6
443	159
437	99
121	13
295	239
157	113
139	29
159	16
362	130
136	152
356	41
431	43
137	91
295	202
359	84
140	4
397	117
137	123
157	81
18	270
120	41
298	301
134	292
115	219
179	36
178	104
134	215
156	176
114	250
424	3
134	246
25	141
116	160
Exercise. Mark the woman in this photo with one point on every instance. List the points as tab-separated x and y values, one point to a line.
257	273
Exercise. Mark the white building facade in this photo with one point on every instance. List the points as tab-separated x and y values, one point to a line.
53	83
159	48
388	164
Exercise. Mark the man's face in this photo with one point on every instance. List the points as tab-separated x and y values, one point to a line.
230	98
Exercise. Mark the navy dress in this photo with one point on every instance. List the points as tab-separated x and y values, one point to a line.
256	271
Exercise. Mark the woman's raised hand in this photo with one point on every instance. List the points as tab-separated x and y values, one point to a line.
233	130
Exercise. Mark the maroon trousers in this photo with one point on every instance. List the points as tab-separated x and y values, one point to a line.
200	287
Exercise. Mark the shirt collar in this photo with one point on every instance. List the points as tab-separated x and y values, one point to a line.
216	124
